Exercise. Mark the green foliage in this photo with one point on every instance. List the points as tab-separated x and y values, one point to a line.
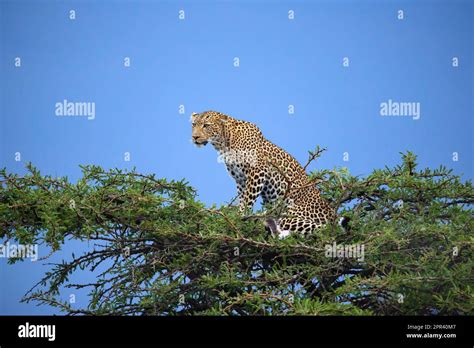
162	252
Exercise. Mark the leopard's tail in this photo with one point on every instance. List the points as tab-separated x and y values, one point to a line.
344	223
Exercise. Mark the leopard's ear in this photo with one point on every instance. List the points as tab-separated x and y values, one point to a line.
193	117
223	119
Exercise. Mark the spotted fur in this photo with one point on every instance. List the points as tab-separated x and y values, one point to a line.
261	168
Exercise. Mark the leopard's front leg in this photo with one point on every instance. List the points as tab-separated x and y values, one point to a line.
253	188
239	177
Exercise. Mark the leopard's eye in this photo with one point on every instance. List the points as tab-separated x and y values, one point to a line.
205	125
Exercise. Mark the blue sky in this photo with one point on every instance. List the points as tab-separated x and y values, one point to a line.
190	62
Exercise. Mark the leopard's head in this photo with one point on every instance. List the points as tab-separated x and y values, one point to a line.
207	126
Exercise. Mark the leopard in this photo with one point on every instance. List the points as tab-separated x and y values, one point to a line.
262	169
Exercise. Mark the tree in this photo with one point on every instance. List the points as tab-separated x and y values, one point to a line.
409	248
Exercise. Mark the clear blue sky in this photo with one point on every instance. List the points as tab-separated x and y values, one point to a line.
190	62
